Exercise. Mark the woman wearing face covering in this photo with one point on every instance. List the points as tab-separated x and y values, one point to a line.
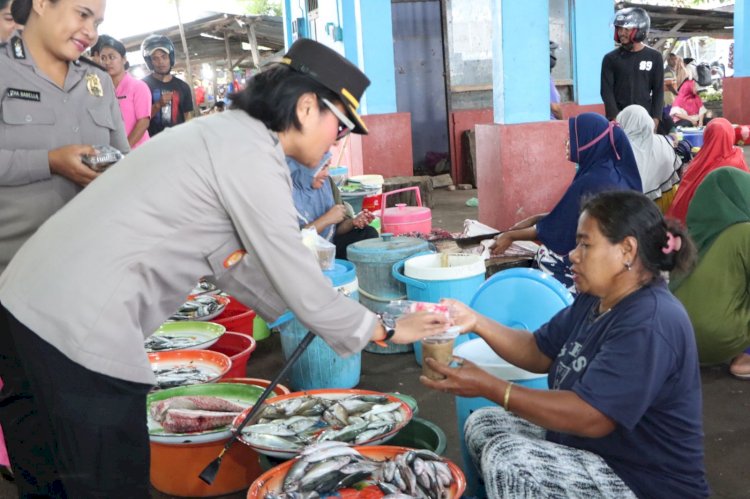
605	162
318	203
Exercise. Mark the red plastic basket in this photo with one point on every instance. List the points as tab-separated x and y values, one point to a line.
237	347
236	317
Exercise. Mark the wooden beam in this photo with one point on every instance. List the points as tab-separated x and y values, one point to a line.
670	34
253	44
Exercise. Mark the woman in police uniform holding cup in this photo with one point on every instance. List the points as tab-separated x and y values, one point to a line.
54	106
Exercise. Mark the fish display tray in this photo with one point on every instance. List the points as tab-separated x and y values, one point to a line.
213	365
203	307
272	480
184	335
333	394
239	393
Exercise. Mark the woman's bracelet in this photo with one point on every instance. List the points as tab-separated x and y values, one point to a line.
506	397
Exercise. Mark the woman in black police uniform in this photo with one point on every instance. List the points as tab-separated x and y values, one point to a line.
54	105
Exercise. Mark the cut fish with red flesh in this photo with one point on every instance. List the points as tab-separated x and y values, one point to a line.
159	410
191	421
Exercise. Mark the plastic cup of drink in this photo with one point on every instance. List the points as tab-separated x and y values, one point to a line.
440	348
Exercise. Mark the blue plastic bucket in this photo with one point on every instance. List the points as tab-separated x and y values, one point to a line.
479	352
374	259
437	275
694	137
320	366
521	298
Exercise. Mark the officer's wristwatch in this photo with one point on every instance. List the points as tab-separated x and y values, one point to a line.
389	324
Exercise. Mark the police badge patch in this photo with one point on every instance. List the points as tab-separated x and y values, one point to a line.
94	85
18	50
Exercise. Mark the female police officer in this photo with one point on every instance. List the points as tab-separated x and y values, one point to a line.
211	197
53	107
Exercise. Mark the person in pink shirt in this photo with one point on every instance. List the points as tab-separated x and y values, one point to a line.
133	95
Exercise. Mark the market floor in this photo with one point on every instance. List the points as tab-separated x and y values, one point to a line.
726	400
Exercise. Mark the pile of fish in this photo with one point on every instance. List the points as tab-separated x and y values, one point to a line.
161	342
190	414
199	307
329	467
204	287
294	423
181	375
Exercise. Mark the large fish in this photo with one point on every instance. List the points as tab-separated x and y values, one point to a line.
190	420
159	409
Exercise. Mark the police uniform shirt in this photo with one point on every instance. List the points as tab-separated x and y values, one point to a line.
210	197
37	116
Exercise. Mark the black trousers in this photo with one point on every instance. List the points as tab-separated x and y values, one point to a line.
353	236
71	432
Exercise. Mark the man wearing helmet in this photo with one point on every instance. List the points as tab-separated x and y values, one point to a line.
632	73
172	101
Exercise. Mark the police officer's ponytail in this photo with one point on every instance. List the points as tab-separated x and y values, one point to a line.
20	10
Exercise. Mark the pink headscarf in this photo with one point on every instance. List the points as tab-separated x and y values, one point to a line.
688	99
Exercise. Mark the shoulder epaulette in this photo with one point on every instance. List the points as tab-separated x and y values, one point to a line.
88	61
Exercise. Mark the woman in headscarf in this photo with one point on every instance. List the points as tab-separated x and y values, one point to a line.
318	203
687	108
605	163
718	150
715	293
658	163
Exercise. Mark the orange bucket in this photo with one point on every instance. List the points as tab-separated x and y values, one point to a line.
175	467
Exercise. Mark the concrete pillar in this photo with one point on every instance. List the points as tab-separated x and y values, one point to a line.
592	38
737	89
742	38
368	42
520	61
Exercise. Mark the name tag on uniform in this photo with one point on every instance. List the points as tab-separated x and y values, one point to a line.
17	93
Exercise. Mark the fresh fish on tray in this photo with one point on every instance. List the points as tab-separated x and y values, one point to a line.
197	308
291	424
159	342
181	375
324	469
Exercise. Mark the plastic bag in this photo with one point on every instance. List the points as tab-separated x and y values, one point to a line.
324	250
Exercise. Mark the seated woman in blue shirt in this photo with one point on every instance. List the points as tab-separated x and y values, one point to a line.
622	417
319	205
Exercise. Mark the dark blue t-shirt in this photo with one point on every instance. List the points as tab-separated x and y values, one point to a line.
637	364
